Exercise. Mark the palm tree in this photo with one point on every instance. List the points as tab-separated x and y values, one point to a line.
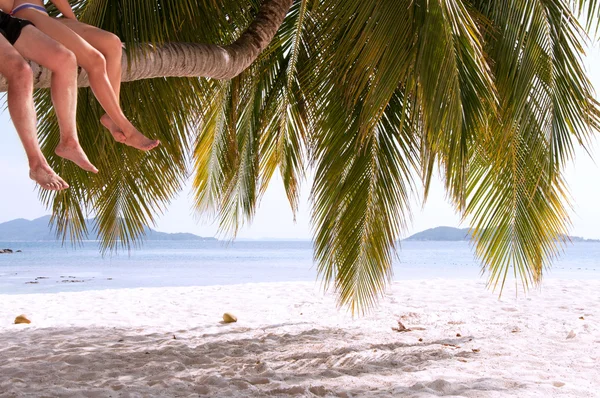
374	97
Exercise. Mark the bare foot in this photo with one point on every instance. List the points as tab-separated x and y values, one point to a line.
71	150
47	178
113	128
132	138
139	141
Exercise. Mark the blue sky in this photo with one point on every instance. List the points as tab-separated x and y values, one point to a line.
274	218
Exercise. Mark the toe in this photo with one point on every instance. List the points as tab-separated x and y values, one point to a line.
90	167
153	145
119	137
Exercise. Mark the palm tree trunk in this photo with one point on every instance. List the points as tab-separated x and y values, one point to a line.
191	59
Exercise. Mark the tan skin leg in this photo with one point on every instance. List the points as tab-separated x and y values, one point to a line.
20	105
111	48
38	47
94	64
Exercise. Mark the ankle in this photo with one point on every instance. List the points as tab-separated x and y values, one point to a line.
36	163
68	140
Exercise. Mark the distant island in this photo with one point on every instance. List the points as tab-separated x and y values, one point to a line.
450	234
40	230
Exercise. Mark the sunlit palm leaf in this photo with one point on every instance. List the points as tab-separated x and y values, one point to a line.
517	198
255	125
361	202
454	87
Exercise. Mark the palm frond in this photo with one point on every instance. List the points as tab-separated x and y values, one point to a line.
361	202
255	125
518	200
454	87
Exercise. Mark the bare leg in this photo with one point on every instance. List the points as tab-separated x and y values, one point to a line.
94	63
38	47
20	105
111	48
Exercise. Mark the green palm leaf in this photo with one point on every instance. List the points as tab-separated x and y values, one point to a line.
517	197
361	202
256	124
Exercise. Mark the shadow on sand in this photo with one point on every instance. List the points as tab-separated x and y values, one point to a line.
106	362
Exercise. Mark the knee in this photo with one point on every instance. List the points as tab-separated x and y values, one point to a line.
18	71
94	62
111	48
63	59
66	57
114	44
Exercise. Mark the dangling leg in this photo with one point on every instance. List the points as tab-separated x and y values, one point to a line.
94	63
38	47
20	105
111	48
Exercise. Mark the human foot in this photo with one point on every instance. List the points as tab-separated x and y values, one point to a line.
132	137
71	150
113	128
47	178
139	141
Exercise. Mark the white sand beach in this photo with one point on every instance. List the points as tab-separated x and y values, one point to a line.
291	341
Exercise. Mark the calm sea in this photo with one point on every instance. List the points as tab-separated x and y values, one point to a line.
47	267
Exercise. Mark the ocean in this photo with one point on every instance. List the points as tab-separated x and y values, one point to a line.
48	267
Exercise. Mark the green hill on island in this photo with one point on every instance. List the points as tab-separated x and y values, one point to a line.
450	234
41	230
442	234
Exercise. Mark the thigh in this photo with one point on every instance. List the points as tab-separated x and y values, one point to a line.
37	46
59	32
98	38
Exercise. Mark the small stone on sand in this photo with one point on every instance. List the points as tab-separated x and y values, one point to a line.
571	335
21	319
229	318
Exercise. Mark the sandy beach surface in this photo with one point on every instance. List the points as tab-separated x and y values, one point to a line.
291	340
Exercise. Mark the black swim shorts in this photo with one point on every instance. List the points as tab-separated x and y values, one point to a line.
11	27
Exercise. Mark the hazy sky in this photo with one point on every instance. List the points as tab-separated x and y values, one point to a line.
274	218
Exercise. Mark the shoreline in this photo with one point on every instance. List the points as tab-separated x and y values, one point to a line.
85	282
42	269
290	340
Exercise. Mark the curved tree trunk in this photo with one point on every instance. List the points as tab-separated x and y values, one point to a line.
191	59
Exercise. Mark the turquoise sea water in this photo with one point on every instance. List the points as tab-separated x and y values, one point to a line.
46	267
